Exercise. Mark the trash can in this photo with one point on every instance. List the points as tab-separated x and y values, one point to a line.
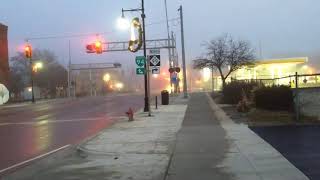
164	97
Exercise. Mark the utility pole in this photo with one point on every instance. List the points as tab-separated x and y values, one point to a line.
171	64
69	71
183	55
168	31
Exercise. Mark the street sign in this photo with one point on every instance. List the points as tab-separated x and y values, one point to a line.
140	71
155	70
154	60
154	51
140	61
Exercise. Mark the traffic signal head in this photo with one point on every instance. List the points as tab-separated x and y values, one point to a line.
90	48
28	51
178	69
98	47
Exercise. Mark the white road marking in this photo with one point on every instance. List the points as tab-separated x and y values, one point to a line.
56	121
33	159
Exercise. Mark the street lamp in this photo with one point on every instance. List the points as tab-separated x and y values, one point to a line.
146	66
123	23
37	66
106	78
119	86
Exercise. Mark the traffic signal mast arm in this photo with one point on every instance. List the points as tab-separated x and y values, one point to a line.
124	45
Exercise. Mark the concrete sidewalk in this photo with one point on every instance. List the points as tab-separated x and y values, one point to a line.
181	142
138	150
211	146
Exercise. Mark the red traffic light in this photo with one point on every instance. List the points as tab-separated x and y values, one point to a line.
90	48
95	47
28	51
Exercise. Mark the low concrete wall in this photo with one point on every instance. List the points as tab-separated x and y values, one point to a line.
309	99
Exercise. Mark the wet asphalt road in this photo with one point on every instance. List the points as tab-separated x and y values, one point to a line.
299	144
28	131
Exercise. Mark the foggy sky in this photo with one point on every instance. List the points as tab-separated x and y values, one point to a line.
284	28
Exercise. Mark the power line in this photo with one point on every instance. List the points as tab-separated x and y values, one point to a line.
92	34
67	36
162	21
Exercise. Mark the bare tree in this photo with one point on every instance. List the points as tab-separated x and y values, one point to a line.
226	55
52	75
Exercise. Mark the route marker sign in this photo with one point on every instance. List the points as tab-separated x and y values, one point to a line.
140	71
154	60
155	70
140	61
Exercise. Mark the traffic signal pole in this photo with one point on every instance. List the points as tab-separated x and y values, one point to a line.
32	88
28	55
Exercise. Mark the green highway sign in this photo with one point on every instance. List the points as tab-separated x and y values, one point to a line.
140	61
140	71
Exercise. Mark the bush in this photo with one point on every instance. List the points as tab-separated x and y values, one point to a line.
233	91
274	98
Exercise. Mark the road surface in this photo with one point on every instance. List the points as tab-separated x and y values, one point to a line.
30	130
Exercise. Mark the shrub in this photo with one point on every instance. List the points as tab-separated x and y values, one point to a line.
274	98
233	91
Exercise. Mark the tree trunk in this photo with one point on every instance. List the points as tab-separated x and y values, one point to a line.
212	79
223	79
223	82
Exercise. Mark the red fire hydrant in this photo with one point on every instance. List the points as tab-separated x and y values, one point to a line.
130	114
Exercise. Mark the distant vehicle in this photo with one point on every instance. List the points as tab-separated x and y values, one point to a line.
4	94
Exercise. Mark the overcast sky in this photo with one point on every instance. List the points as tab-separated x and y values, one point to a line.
284	28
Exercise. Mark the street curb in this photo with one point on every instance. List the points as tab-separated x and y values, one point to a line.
225	120
29	170
218	112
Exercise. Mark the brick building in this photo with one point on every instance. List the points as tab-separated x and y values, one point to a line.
4	57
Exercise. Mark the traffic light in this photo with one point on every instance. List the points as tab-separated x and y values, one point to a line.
90	48
95	47
28	51
178	69
98	47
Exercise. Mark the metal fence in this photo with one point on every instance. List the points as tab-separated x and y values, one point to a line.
293	81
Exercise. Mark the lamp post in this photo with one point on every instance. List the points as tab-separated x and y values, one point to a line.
146	66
